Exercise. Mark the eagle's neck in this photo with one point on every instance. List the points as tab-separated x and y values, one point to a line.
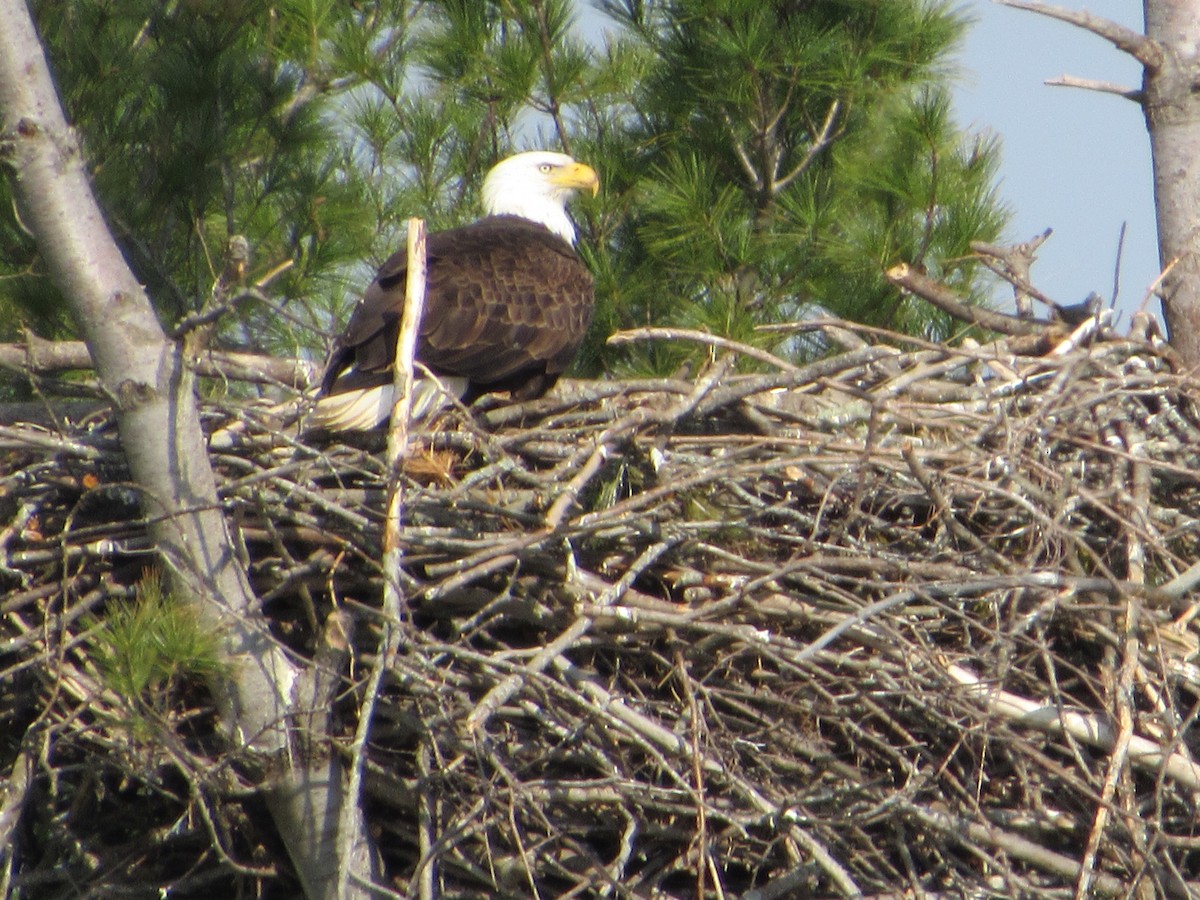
550	212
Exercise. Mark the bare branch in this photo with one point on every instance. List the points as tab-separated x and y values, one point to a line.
1093	730
701	337
740	151
1013	264
42	357
1137	95
1145	50
943	298
350	827
824	138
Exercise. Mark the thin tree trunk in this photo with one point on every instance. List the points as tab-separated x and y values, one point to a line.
1172	107
151	387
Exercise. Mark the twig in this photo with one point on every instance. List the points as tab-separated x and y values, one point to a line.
1116	288
426	825
1014	845
1014	264
1116	761
1139	498
700	337
704	854
570	493
44	357
31	438
1137	95
17	785
824	138
500	694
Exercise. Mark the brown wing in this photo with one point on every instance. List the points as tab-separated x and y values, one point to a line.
507	305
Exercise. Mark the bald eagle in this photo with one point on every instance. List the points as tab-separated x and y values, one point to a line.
508	302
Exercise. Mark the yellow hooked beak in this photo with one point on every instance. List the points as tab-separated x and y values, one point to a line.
577	176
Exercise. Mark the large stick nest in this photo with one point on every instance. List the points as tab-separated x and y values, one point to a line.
910	619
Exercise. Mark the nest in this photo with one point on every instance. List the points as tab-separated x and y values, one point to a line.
910	619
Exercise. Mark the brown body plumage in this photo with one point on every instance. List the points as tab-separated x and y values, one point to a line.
507	304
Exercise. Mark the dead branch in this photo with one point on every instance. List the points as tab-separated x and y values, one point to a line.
42	357
908	278
1139	46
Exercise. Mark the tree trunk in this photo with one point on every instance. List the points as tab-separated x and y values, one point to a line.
151	386
1172	107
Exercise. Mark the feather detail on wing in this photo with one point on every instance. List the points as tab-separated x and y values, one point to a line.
507	306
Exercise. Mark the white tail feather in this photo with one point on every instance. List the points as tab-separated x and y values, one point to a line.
365	409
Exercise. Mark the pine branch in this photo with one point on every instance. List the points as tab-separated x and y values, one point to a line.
741	153
826	136
553	106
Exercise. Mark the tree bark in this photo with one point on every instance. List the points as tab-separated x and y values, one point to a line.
1172	107
151	388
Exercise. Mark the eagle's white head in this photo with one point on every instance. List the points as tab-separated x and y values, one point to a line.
537	185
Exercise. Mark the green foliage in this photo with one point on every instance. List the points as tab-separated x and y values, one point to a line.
205	120
148	648
791	153
760	161
913	188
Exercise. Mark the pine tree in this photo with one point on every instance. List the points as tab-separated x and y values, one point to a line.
789	152
761	162
206	122
310	129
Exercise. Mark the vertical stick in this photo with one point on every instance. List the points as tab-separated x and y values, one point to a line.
397	447
402	382
397	451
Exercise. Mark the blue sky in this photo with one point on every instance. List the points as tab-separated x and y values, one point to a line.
1073	160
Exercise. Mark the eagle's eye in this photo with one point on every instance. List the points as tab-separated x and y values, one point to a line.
544	168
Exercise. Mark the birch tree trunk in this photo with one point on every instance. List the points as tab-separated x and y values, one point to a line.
151	386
